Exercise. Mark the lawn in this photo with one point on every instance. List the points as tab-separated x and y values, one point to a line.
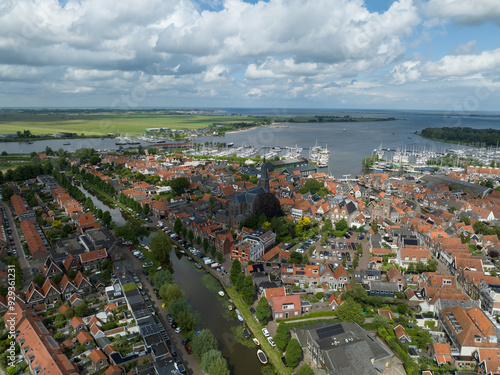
102	124
256	329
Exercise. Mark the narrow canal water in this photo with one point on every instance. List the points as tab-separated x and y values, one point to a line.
212	308
215	316
116	214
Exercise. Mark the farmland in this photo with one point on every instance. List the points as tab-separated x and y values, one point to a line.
100	124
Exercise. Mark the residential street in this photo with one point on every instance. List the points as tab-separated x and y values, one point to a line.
28	274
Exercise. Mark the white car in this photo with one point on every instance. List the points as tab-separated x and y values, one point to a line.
265	332
270	339
178	330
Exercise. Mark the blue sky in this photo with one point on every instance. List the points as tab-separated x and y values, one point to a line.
373	54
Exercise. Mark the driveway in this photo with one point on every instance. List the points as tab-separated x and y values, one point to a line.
28	275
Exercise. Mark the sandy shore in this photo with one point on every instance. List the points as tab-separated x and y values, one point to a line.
245	130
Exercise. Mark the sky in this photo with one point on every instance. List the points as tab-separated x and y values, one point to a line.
358	54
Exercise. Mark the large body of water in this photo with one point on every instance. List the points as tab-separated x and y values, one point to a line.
347	147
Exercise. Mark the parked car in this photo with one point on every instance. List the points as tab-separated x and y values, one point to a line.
265	332
270	339
178	330
188	348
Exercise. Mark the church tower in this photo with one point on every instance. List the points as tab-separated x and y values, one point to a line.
386	204
264	178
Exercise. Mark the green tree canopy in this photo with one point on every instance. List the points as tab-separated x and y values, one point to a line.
171	292
203	343
263	310
160	246
350	311
341	225
305	369
282	336
163	277
293	353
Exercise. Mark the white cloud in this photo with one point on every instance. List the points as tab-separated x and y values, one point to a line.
465	11
449	67
465	49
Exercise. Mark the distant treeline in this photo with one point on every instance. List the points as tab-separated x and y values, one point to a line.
468	136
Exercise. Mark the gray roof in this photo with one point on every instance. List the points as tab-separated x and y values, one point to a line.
385	286
432	181
248	196
345	347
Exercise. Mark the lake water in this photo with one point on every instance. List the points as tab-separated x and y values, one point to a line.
347	147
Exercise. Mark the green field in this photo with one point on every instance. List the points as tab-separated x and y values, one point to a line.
94	123
102	124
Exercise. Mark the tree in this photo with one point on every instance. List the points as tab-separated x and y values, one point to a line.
293	353
184	233
213	250
311	185
198	240
213	363
305	369
178	226
160	246
328	226
106	218
282	336
220	257
146	209
57	278
171	292
350	311
465	220
248	289
81	309
163	277
38	279
177	306
179	185
203	342
131	230
304	223
341	225
94	159
235	273
190	236
380	321
205	244
268	204
263	310
211	203
186	320
7	192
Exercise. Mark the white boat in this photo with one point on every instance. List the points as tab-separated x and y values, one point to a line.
240	318
221	293
257	342
262	357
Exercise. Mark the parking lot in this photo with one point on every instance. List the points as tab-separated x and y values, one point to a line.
335	251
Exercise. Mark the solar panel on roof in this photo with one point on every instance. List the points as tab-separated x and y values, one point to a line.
329	331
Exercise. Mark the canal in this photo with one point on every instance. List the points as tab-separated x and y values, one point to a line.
201	292
116	214
214	315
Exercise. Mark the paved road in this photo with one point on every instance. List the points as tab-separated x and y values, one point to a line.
189	360
28	275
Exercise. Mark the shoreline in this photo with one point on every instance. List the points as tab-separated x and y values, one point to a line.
247	129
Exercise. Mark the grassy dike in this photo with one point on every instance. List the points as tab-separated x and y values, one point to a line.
256	328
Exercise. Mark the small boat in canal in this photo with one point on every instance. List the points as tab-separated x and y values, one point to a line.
246	333
189	258
221	293
257	342
198	265
230	307
240	318
262	357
